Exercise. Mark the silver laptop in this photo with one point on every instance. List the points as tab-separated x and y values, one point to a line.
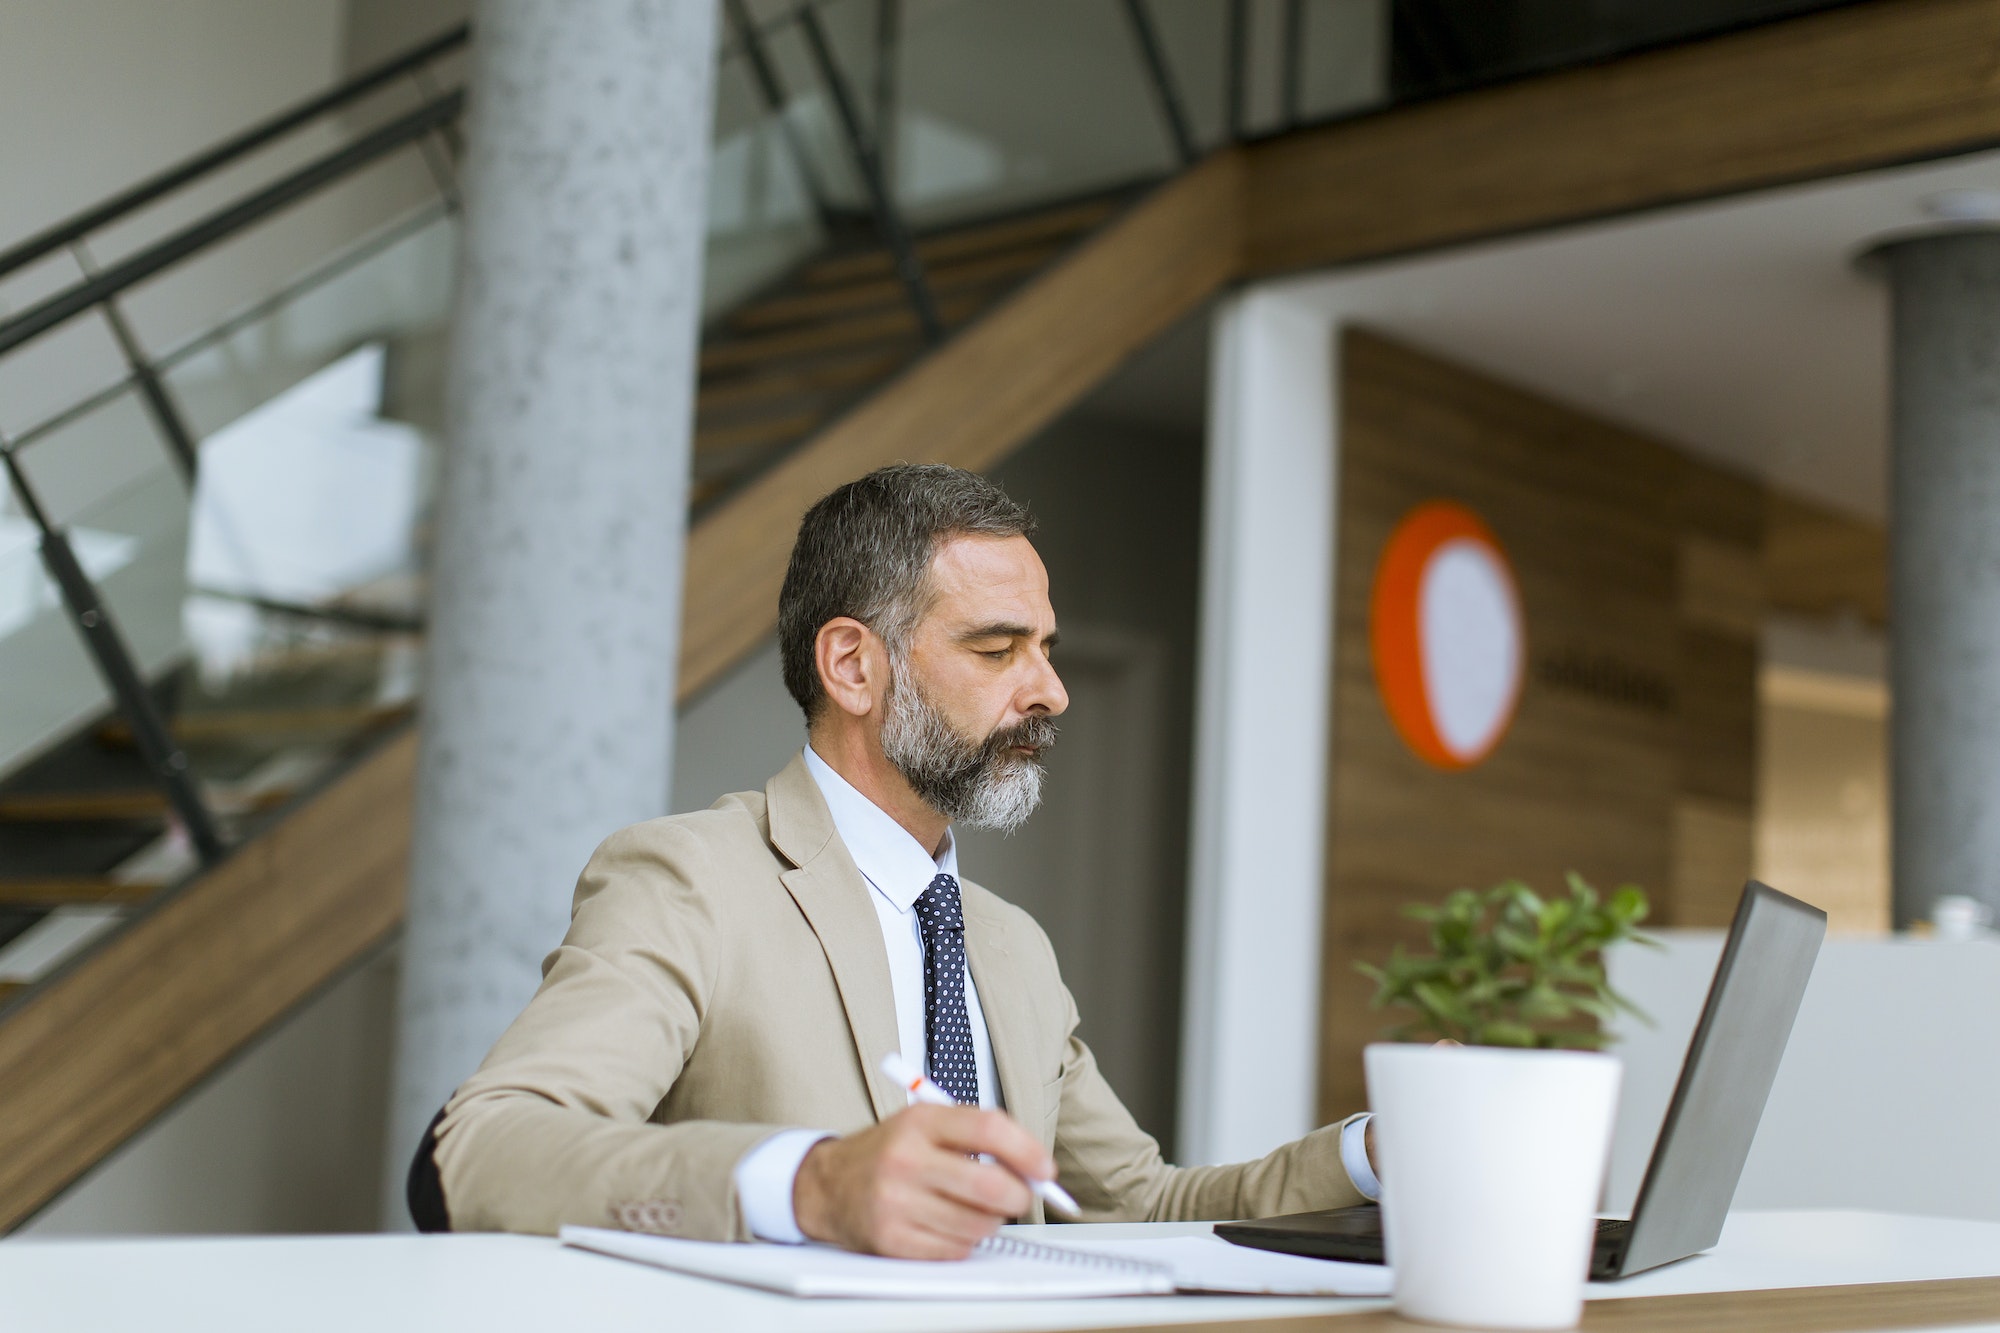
1705	1138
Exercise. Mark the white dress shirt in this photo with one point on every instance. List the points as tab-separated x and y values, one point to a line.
898	869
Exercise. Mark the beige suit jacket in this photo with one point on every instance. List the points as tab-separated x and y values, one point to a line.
724	977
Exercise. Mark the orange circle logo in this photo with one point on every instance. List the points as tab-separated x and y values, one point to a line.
1446	635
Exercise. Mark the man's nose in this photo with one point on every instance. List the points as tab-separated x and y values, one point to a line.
1046	693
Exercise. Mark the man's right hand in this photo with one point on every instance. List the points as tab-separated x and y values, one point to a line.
910	1187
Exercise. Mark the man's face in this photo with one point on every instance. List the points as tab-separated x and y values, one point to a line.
968	711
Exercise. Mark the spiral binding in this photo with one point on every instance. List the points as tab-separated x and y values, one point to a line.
1013	1247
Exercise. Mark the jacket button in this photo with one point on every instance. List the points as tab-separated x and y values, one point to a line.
658	1217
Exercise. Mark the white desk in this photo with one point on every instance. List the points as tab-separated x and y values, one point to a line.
525	1284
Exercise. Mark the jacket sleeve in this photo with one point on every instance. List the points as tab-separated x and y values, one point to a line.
1117	1174
555	1127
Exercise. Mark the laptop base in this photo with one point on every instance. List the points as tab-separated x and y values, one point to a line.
1355	1236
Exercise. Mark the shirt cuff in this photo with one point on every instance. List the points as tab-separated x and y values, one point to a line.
1353	1156
764	1179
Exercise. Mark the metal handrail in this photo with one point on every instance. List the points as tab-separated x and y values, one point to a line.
868	165
68	232
262	308
64	306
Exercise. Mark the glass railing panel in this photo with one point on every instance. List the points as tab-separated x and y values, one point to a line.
272	606
51	686
810	108
83	806
53	373
1343	58
394	287
201	290
768	179
990	101
308	545
102	476
261	166
276	608
1194	38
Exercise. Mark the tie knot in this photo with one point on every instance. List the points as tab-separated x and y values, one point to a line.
938	906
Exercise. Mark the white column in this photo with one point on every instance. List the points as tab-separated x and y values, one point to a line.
1944	567
556	601
1251	1021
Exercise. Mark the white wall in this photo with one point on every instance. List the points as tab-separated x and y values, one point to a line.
1888	1092
95	94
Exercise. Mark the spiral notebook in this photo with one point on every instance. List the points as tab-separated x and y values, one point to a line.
1003	1268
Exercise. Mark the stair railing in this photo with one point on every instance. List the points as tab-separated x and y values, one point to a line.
431	127
99	289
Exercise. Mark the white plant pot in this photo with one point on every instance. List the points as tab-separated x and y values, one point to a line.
1492	1162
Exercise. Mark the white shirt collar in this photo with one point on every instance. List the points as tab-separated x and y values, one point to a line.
891	860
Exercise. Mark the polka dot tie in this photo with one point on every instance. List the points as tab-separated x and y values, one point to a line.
947	1030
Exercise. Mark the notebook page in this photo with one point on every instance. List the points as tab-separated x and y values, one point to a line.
1011	1272
1212	1264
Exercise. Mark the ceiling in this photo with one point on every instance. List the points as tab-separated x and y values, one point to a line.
1741	330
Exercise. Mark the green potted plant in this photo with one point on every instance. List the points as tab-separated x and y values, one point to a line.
1495	1101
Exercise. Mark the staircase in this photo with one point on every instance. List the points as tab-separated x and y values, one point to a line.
777	370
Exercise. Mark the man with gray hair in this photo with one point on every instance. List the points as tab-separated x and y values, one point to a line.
704	1056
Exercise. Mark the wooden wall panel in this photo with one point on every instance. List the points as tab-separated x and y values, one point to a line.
1632	754
1819	562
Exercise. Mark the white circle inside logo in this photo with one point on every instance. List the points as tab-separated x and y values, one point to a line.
1469	641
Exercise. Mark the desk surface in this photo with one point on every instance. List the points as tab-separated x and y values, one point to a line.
386	1284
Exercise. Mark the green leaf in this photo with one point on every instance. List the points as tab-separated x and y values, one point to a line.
1504	1032
1508	967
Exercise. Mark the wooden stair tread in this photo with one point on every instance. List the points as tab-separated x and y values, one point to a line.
251	722
122	804
799	380
757	430
67	806
822	302
961	242
57	890
892	325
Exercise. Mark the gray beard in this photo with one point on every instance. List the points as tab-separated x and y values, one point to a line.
981	784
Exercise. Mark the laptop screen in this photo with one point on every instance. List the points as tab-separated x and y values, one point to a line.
1726	1078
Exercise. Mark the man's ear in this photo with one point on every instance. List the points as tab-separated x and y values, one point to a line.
851	662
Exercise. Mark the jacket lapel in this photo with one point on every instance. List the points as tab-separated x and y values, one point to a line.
1009	1023
833	896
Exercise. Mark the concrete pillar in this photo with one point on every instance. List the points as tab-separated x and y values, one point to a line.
1944	536
556	600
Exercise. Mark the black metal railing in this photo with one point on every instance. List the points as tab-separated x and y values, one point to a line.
99	290
412	64
430	127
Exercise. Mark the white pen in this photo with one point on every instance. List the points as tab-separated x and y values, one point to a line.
921	1089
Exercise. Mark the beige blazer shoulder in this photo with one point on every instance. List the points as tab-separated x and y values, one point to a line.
724	977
